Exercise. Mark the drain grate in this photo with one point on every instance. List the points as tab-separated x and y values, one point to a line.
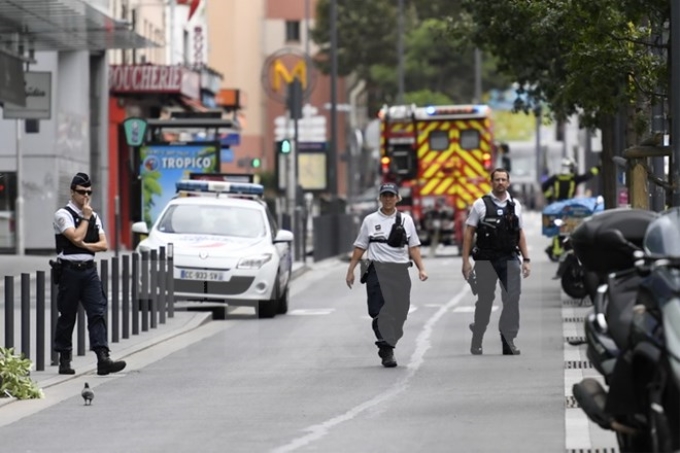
578	319
571	403
593	450
577	364
575	339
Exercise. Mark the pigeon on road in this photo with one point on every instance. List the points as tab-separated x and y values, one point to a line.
87	394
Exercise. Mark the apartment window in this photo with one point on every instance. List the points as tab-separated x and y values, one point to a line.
293	30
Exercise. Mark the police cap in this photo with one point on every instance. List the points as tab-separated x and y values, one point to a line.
81	179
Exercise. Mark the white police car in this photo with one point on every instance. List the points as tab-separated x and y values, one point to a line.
227	246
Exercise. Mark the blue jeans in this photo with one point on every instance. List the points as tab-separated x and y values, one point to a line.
508	271
80	286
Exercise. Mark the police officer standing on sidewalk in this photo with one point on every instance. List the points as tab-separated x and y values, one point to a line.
392	241
79	235
496	219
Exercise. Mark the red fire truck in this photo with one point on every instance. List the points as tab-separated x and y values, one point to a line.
441	157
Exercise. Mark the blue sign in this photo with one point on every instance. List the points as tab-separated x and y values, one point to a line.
230	139
227	155
312	146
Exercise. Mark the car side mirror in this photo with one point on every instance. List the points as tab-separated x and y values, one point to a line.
140	228
283	236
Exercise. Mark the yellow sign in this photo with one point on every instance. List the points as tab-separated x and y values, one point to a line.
280	73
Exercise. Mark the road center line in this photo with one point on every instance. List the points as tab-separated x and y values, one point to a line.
423	344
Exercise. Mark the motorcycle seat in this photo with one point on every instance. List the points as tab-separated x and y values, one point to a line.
619	310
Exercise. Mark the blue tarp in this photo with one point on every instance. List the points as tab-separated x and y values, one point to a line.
572	211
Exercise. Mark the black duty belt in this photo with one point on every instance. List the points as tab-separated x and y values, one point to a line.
78	265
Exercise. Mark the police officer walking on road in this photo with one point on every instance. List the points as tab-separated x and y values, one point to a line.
496	219
79	235
392	241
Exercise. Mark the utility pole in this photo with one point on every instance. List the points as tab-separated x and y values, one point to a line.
172	32
400	52
307	18
333	151
658	122
478	76
675	100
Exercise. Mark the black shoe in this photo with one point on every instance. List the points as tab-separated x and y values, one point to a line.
65	363
509	347
386	353
105	365
476	344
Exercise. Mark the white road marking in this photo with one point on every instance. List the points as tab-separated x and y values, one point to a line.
311	311
471	309
423	344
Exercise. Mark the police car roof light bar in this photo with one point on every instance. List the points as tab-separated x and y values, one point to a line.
220	188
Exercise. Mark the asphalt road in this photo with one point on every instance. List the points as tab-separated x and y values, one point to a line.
312	381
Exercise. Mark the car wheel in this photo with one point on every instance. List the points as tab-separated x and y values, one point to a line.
269	308
282	305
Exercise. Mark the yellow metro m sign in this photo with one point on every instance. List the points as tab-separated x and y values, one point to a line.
280	74
284	66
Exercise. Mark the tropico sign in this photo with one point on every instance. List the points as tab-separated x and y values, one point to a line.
154	79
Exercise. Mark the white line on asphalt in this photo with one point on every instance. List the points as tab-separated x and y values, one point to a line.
311	311
470	309
423	344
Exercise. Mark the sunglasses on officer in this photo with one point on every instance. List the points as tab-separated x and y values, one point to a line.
83	192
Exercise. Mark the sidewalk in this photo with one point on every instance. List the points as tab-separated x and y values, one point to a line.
182	323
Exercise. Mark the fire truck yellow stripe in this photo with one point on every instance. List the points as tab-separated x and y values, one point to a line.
423	138
429	187
443	187
472	160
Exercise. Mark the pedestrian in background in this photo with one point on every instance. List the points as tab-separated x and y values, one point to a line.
79	234
496	220
391	239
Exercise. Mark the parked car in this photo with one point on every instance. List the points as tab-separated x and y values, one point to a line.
227	246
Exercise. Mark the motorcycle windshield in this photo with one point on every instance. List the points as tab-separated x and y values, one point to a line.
662	237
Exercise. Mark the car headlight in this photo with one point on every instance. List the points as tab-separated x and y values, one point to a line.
254	262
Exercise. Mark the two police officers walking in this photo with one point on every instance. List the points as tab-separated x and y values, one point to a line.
496	220
79	235
391	239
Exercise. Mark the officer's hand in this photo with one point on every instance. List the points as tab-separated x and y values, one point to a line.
349	279
87	211
526	269
422	275
467	269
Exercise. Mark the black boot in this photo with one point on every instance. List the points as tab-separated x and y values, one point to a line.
476	343
105	365
509	347
65	363
386	353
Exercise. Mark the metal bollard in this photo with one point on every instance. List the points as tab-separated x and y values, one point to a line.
171	281
115	308
104	278
26	315
153	288
162	280
126	296
144	294
135	294
54	316
81	330
40	321
9	311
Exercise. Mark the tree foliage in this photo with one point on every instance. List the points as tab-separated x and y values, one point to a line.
434	66
579	56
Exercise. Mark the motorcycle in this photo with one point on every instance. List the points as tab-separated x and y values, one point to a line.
633	333
570	272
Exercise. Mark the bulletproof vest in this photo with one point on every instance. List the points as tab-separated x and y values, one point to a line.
498	231
69	248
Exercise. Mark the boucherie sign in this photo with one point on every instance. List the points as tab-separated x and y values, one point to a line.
154	79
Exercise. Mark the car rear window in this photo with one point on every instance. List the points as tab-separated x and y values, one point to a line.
232	221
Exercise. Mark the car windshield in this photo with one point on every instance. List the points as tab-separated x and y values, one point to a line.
233	221
662	237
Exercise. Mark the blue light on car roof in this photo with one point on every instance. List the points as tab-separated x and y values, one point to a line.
241	188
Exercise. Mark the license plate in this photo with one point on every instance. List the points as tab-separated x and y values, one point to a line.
202	275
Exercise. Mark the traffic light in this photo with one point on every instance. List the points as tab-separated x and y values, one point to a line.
256	162
284	146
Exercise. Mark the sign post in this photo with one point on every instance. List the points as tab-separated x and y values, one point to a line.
135	133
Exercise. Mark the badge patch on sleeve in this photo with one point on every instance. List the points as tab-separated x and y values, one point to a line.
61	221
377	227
